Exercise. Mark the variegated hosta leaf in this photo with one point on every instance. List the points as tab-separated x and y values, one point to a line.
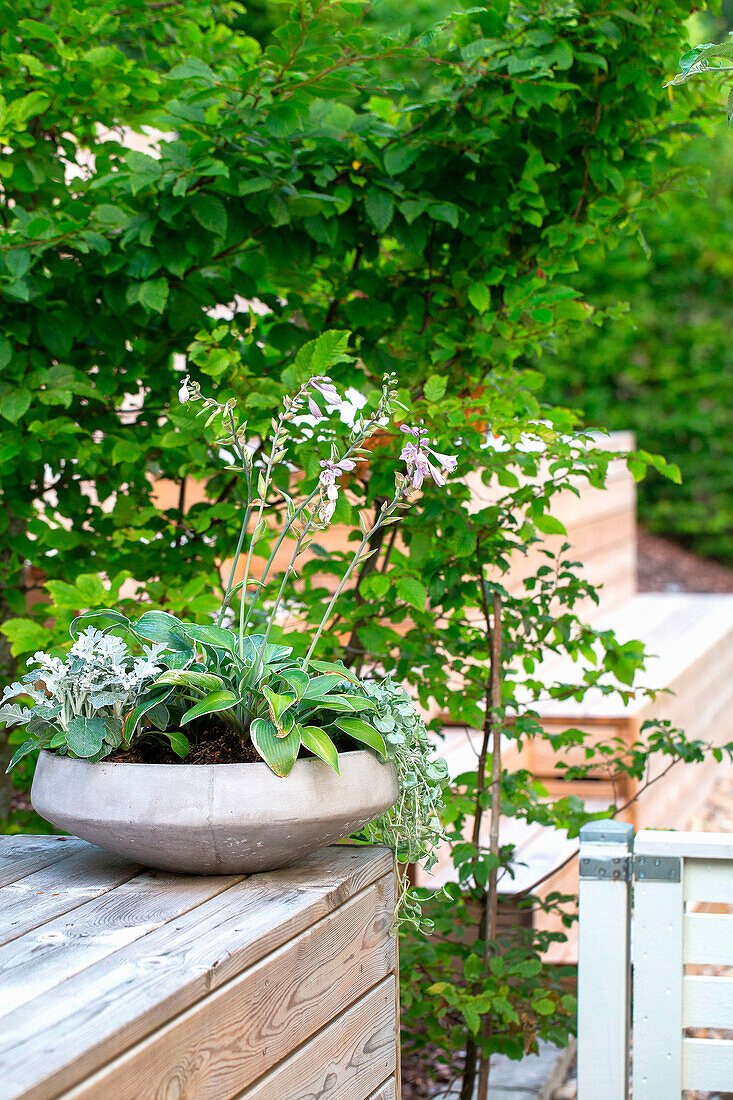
279	753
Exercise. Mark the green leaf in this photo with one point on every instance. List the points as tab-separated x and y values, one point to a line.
321	685
320	744
337	668
379	207
279	753
209	212
399	157
212	704
6	352
26	748
435	387
178	742
188	678
84	736
15	404
297	679
549	525
480	297
159	626
138	712
413	592
25	636
153	294
277	704
363	732
217	636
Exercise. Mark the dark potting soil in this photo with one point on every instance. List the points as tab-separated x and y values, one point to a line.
215	746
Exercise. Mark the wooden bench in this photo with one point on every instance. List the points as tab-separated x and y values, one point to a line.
120	983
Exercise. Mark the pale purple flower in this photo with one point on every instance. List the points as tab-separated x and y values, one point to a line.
327	390
314	410
331	471
418	456
184	393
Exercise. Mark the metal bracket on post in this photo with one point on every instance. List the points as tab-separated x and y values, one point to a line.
658	868
611	868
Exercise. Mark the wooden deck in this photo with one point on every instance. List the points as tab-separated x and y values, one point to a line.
120	983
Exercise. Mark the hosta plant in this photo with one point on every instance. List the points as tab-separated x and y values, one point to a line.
230	674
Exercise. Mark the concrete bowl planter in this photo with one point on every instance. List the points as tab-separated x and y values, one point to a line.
212	819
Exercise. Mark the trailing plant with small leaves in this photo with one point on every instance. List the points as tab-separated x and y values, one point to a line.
412	827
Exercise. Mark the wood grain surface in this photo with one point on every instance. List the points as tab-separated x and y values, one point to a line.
117	982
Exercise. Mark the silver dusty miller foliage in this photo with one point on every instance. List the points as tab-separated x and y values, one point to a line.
79	704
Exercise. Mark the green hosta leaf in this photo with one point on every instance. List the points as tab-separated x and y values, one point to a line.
297	679
379	207
345	702
188	678
114	618
159	626
363	732
279	753
113	731
217	636
212	704
178	742
413	592
336	668
26	748
320	744
159	716
138	712
321	685
277	704
269	655
85	736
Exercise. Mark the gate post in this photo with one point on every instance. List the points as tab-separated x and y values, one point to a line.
604	960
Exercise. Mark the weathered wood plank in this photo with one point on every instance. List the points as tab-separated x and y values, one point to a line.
58	888
226	1041
22	855
387	1091
109	1006
41	959
349	1058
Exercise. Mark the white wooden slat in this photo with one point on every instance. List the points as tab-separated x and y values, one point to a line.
59	888
666	842
707	1002
708	880
603	967
106	1008
227	1040
708	939
41	959
346	1059
708	1065
22	855
657	1010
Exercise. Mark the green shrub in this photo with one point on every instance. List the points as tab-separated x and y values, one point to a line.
665	369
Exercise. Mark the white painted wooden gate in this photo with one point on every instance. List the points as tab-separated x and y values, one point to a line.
665	900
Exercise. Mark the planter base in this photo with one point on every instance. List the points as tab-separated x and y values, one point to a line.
214	819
